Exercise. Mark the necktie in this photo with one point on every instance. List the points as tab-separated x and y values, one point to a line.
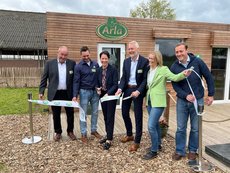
104	79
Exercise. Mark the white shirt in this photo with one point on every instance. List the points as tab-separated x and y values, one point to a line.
62	76
150	75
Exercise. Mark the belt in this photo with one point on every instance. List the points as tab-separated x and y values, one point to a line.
132	86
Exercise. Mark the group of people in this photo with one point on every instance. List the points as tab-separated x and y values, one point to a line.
142	77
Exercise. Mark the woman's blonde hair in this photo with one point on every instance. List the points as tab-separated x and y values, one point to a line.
158	57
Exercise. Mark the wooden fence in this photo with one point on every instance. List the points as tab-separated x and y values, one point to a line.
20	76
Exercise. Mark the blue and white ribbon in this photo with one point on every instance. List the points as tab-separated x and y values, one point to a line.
63	103
202	82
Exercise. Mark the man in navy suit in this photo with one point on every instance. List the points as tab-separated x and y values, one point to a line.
59	72
133	83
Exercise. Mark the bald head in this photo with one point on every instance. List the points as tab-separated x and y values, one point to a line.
62	54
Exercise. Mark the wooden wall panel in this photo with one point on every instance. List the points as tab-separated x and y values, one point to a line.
75	30
171	33
220	39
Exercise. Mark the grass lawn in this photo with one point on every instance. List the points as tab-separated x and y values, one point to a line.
2	167
14	100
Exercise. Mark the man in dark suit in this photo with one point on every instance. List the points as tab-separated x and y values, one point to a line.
59	72
133	83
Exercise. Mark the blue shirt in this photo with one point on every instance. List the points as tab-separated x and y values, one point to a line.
84	76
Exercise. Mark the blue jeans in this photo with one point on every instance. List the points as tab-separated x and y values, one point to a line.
154	126
186	110
86	97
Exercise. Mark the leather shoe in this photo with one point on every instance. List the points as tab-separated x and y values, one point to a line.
125	139
84	139
192	156
134	147
176	156
150	155
72	136
57	137
96	134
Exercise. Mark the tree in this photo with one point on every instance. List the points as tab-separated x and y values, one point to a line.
154	9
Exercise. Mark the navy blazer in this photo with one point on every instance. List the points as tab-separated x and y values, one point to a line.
141	74
111	79
52	76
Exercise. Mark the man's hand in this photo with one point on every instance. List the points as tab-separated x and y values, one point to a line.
162	120
98	91
190	98
209	100
40	96
76	99
119	91
135	94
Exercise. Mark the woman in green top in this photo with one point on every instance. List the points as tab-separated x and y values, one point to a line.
156	98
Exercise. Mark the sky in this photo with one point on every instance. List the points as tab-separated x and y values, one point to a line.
211	11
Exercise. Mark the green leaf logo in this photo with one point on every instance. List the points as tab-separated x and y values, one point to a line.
56	103
45	102
68	104
112	30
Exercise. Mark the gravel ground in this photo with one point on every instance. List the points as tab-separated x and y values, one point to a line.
73	156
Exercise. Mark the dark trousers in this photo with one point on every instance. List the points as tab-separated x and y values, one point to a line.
108	109
138	113
56	110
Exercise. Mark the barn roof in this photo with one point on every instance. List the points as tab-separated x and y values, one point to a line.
22	30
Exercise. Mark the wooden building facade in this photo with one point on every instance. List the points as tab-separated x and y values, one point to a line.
209	41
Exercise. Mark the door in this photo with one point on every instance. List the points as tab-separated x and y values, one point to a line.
117	56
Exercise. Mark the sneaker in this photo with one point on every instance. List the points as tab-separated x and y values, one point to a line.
96	134
106	145
150	155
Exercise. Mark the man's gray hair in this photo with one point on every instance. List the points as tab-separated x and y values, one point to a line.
134	43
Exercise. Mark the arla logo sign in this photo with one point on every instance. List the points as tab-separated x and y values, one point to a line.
112	30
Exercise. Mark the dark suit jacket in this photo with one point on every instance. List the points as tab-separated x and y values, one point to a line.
51	75
111	79
141	74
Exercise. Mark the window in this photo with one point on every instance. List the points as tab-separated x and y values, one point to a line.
167	47
218	70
